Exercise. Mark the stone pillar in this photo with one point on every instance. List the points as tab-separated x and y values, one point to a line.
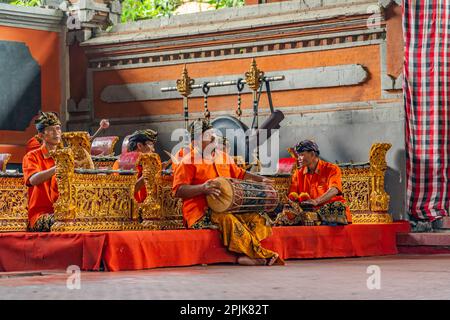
84	18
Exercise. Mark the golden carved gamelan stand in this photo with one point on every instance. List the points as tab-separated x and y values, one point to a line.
13	203
160	210
93	202
367	188
104	162
80	145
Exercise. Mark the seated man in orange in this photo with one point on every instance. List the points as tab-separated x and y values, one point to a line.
193	181
142	141
35	142
39	173
320	179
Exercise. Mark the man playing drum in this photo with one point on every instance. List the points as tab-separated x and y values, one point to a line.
193	181
321	180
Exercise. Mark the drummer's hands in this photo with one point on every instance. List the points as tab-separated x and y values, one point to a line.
211	187
312	202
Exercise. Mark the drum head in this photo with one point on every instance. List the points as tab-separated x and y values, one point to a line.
225	201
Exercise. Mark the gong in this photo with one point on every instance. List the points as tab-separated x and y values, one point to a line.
238	145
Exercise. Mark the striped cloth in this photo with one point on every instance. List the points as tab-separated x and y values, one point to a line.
426	92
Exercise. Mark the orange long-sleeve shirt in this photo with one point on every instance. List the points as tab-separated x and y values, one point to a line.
190	173
40	197
326	176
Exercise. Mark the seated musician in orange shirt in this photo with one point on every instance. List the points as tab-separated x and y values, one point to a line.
142	141
193	181
321	180
39	173
35	142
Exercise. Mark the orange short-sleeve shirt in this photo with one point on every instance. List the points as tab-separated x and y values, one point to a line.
190	173
40	197
326	176
32	144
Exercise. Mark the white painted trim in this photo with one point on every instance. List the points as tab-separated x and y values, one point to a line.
241	56
218	47
31	18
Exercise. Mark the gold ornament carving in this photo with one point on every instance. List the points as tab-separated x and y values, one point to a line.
13	204
80	144
102	163
379	199
254	76
93	202
356	186
160	210
6	157
184	84
371	218
282	184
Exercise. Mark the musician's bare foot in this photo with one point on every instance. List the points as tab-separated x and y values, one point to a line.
247	261
272	260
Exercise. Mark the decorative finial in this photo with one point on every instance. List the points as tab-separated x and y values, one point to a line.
184	85
254	76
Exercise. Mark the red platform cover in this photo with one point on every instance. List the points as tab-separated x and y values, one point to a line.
135	250
23	251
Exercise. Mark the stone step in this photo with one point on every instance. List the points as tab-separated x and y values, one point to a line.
424	239
443	223
424	243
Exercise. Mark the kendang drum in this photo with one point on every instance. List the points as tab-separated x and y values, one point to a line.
243	196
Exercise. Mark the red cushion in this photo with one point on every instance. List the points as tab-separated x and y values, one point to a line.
286	165
103	146
127	160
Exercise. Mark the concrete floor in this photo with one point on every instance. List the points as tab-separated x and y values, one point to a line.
401	277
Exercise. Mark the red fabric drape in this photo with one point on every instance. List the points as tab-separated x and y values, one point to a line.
140	250
427	106
46	251
136	250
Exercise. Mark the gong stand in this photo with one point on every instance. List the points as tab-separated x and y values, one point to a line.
184	87
240	87
206	112
253	78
